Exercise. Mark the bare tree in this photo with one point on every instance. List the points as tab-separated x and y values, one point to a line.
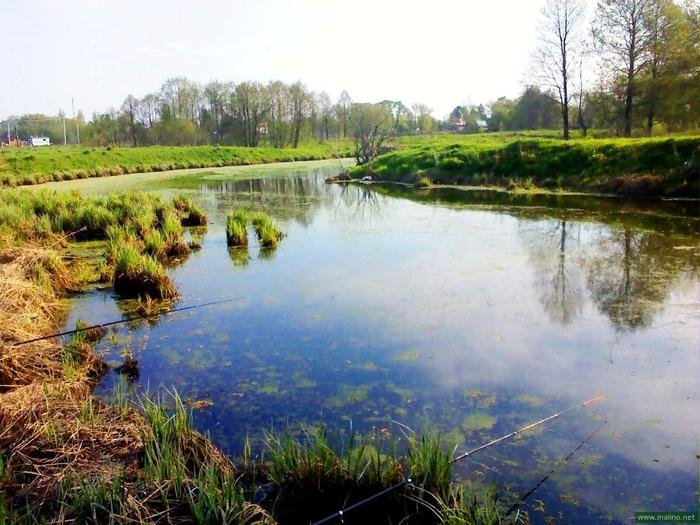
659	26
343	111
559	48
622	38
424	119
326	108
299	103
372	125
581	114
251	104
131	109
278	94
150	109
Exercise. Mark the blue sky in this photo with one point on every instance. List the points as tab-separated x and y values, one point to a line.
441	53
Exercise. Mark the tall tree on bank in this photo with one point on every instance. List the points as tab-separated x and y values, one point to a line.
558	51
251	105
622	38
130	109
343	111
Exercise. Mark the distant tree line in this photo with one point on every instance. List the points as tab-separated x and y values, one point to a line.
647	53
248	114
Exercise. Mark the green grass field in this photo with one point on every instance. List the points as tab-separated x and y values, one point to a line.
650	166
22	166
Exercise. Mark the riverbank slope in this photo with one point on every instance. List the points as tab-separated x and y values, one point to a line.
636	167
25	166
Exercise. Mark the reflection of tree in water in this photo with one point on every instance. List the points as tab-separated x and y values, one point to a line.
558	273
360	203
628	273
291	198
631	273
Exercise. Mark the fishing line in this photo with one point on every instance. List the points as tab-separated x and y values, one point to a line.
553	470
527	427
341	513
126	320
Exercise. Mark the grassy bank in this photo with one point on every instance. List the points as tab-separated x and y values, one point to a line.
654	166
22	166
68	457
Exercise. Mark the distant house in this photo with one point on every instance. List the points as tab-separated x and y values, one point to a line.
482	124
39	141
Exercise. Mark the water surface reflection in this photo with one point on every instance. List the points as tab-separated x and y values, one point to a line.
466	313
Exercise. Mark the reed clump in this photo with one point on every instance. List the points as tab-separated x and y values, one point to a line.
142	231
267	232
192	213
140	275
310	480
236	230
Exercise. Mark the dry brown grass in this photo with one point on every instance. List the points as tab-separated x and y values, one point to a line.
30	279
43	418
54	434
58	429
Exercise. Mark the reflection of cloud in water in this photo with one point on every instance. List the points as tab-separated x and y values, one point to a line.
509	300
468	301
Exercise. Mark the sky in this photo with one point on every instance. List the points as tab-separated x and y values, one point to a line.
441	52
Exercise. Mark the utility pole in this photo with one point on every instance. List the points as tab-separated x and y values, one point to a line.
77	126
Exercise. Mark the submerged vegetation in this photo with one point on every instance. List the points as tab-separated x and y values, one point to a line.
67	457
655	166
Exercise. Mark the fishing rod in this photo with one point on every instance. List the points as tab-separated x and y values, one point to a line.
126	320
527	427
408	481
557	466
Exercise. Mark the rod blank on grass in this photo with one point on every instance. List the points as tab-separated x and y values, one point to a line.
128	319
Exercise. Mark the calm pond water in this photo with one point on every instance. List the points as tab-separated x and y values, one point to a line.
468	313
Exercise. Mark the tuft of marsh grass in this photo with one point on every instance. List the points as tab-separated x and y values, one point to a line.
191	213
140	275
431	466
236	231
465	506
93	499
267	232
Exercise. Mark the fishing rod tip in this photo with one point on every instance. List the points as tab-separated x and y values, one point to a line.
599	397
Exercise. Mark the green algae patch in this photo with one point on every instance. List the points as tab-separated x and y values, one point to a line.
408	356
478	421
529	400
